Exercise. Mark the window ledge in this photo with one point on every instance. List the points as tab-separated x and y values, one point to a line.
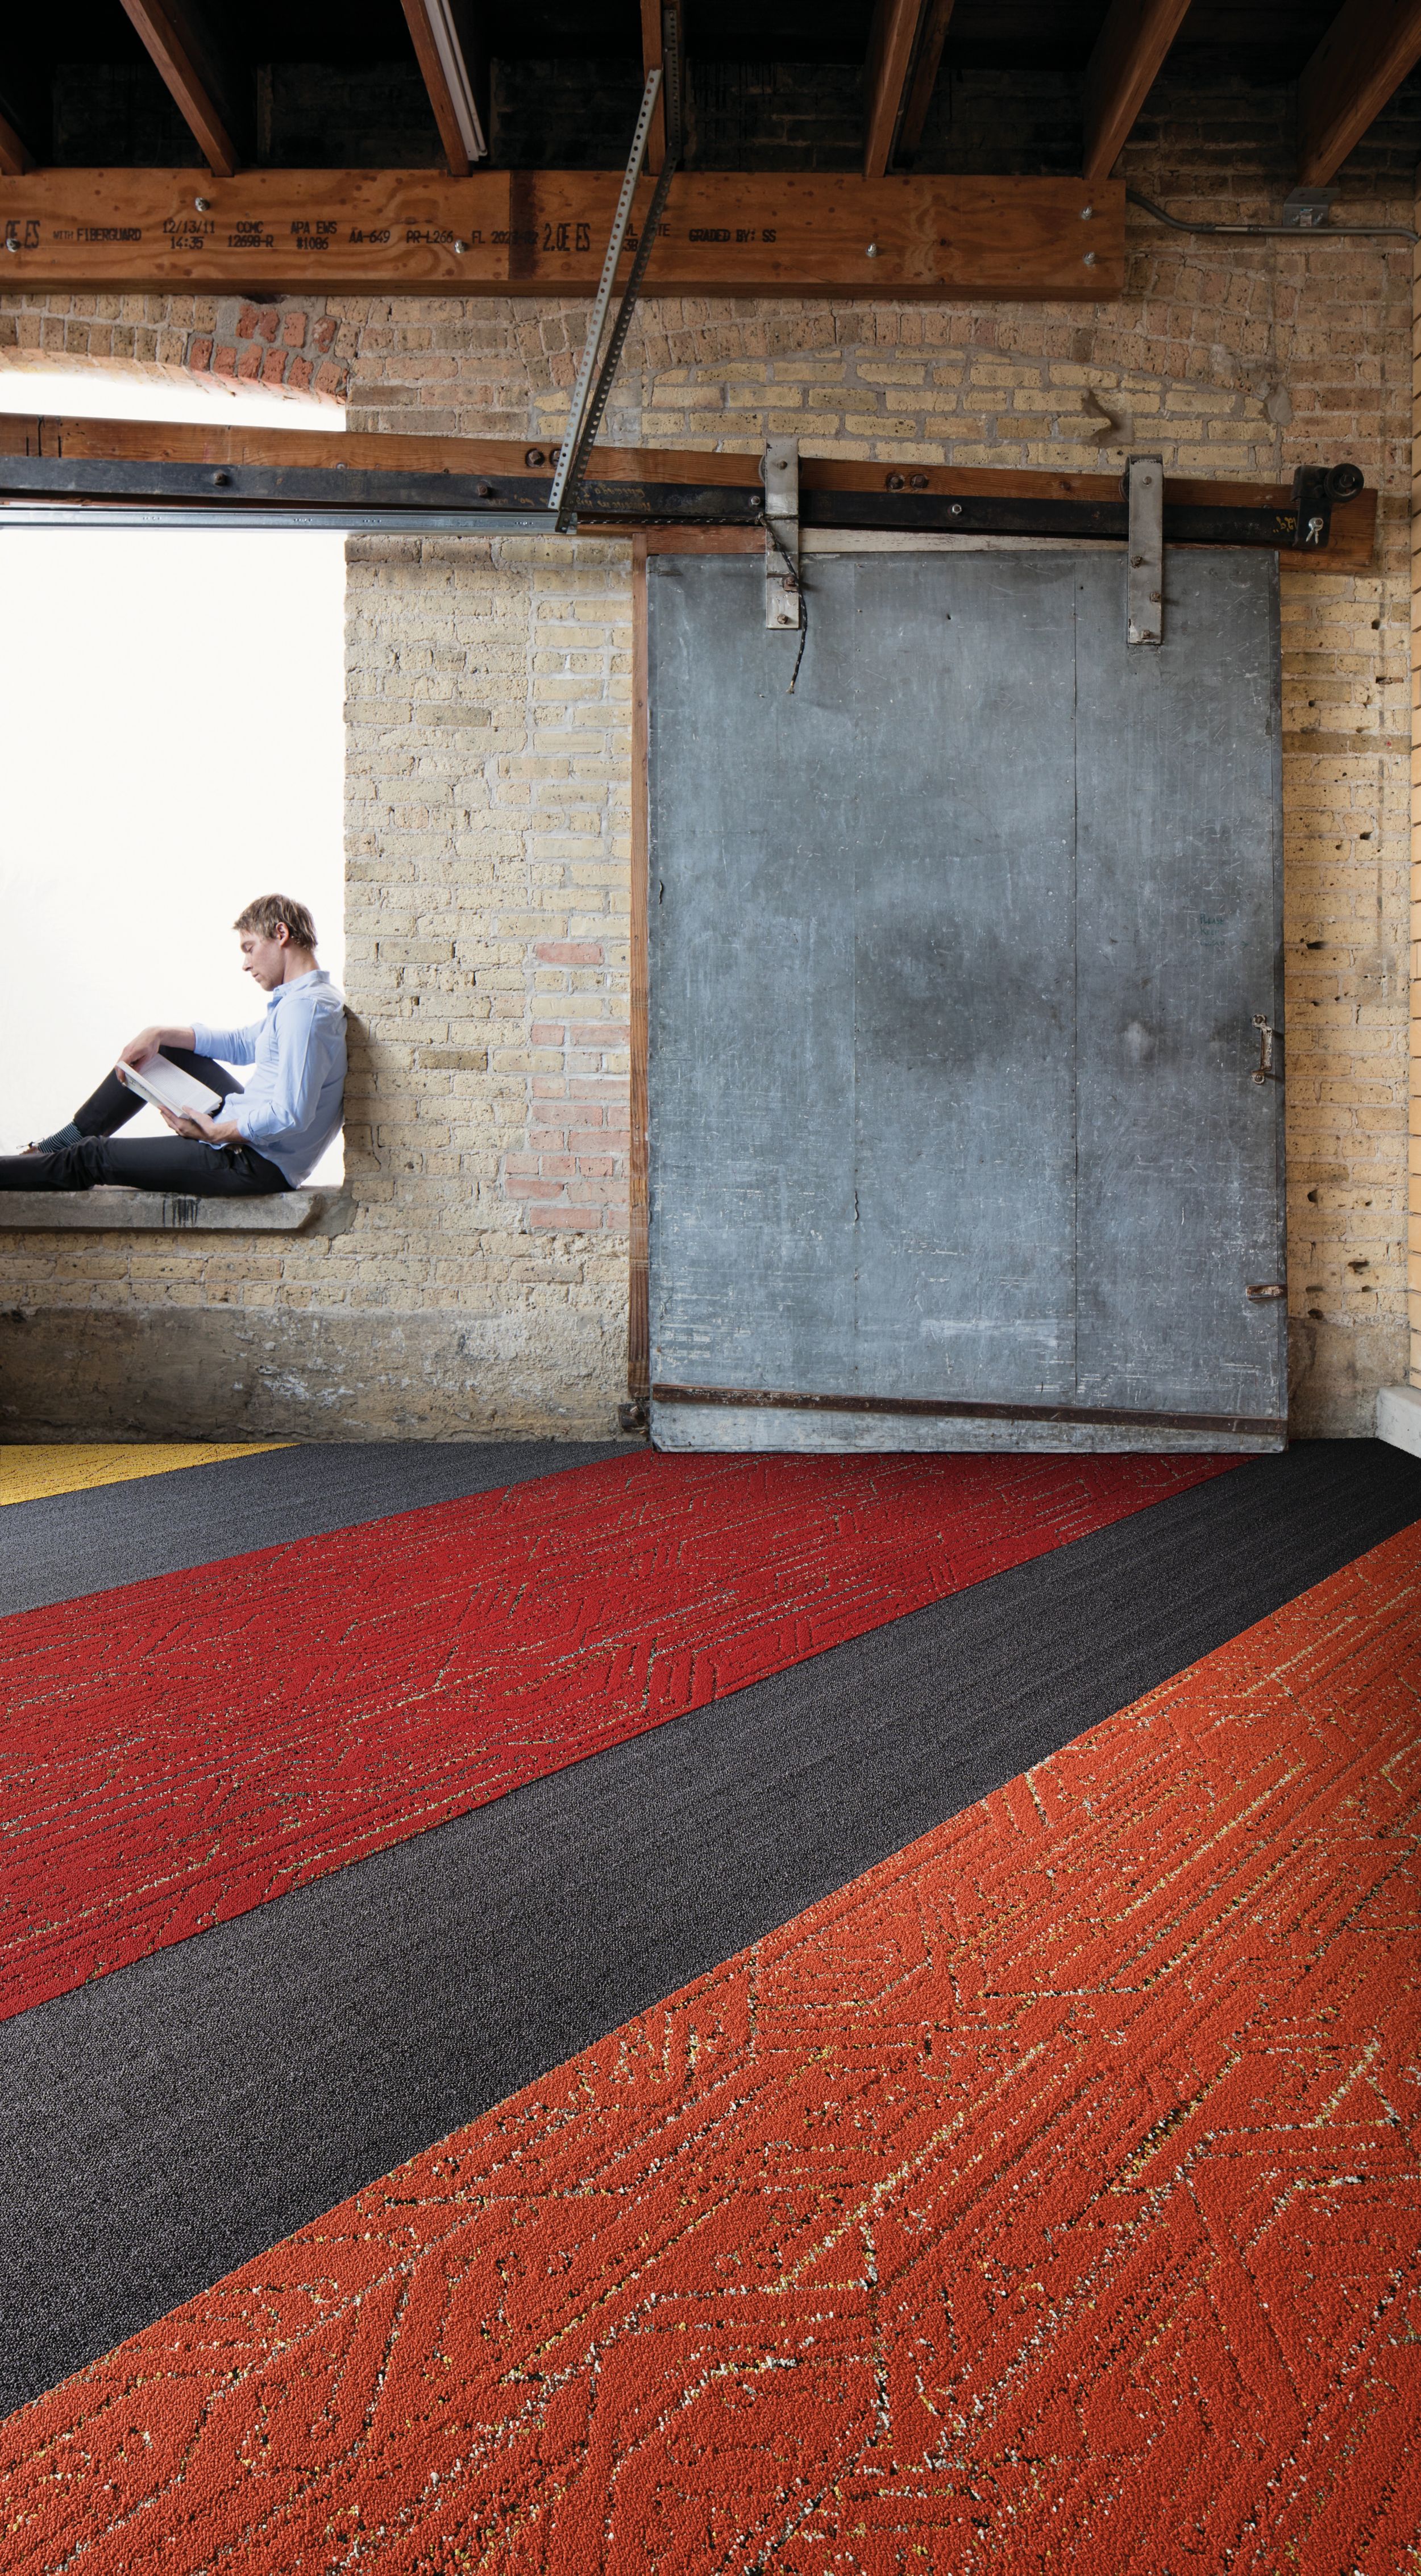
115	1211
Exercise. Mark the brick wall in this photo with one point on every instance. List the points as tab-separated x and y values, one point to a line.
483	1283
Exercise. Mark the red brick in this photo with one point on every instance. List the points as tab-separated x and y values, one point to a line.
594	1167
546	1033
299	374
273	366
249	362
330	379
573	1221
569	952
224	361
323	332
199	354
248	322
293	329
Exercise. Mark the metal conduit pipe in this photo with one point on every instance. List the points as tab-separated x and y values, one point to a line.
1278	232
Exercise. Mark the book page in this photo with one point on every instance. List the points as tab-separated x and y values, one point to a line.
158	1080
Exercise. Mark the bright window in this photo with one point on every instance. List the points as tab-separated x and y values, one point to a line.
170	746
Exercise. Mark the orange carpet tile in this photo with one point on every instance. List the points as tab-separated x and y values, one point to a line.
1047	2199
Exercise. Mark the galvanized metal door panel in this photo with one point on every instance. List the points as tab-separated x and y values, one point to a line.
1178	946
876	1057
964	1160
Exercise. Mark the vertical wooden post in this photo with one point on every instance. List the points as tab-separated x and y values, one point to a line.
638	1161
1413	1185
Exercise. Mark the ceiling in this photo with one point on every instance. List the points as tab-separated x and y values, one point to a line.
770	83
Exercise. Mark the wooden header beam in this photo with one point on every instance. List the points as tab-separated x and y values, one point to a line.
1129	51
1365	55
197	83
543	232
1351	545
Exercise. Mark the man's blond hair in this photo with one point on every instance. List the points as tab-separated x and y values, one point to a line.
271	912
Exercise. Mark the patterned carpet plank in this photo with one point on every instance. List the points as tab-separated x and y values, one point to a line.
183	1750
1046	2199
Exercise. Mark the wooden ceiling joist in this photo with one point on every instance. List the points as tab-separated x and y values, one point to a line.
890	58
452	60
1365	55
651	61
923	80
15	155
1129	51
199	87
543	232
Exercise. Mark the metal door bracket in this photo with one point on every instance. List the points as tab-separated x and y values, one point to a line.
1266	1035
1144	551
779	473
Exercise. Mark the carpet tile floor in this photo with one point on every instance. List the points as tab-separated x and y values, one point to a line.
181	1750
1047	2198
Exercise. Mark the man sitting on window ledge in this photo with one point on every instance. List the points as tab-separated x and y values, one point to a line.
276	1129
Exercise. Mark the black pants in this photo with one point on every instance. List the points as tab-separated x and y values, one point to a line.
178	1164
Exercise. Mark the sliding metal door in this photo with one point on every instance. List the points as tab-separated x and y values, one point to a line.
955	956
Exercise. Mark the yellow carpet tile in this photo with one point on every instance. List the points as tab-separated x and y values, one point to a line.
67	1467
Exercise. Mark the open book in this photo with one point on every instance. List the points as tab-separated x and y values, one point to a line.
168	1087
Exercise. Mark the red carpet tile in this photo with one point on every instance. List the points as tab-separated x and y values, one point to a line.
1048	2199
179	1751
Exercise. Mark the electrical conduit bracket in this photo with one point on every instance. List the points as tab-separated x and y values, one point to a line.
779	472
1144	551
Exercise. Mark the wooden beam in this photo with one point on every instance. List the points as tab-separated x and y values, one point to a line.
543	232
651	61
890	55
226	442
15	155
452	60
1365	55
926	66
185	64
1129	50
638	1155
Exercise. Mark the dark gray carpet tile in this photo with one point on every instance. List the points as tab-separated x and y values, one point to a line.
166	2123
63	1545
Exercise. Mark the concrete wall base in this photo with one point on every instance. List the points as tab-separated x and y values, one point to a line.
1335	1374
1399	1417
235	1373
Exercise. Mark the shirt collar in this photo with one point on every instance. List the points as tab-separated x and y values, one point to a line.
317	975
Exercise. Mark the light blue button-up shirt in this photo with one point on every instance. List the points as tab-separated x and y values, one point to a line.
290	1109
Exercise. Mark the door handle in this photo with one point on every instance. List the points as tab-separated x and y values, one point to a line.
1266	1035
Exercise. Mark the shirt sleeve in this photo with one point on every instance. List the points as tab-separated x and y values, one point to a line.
229	1046
302	1062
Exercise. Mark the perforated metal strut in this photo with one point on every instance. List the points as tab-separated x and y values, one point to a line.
589	399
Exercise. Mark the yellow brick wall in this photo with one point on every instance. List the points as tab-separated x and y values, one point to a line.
483	1284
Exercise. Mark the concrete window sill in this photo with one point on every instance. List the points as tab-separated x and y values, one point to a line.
113	1211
